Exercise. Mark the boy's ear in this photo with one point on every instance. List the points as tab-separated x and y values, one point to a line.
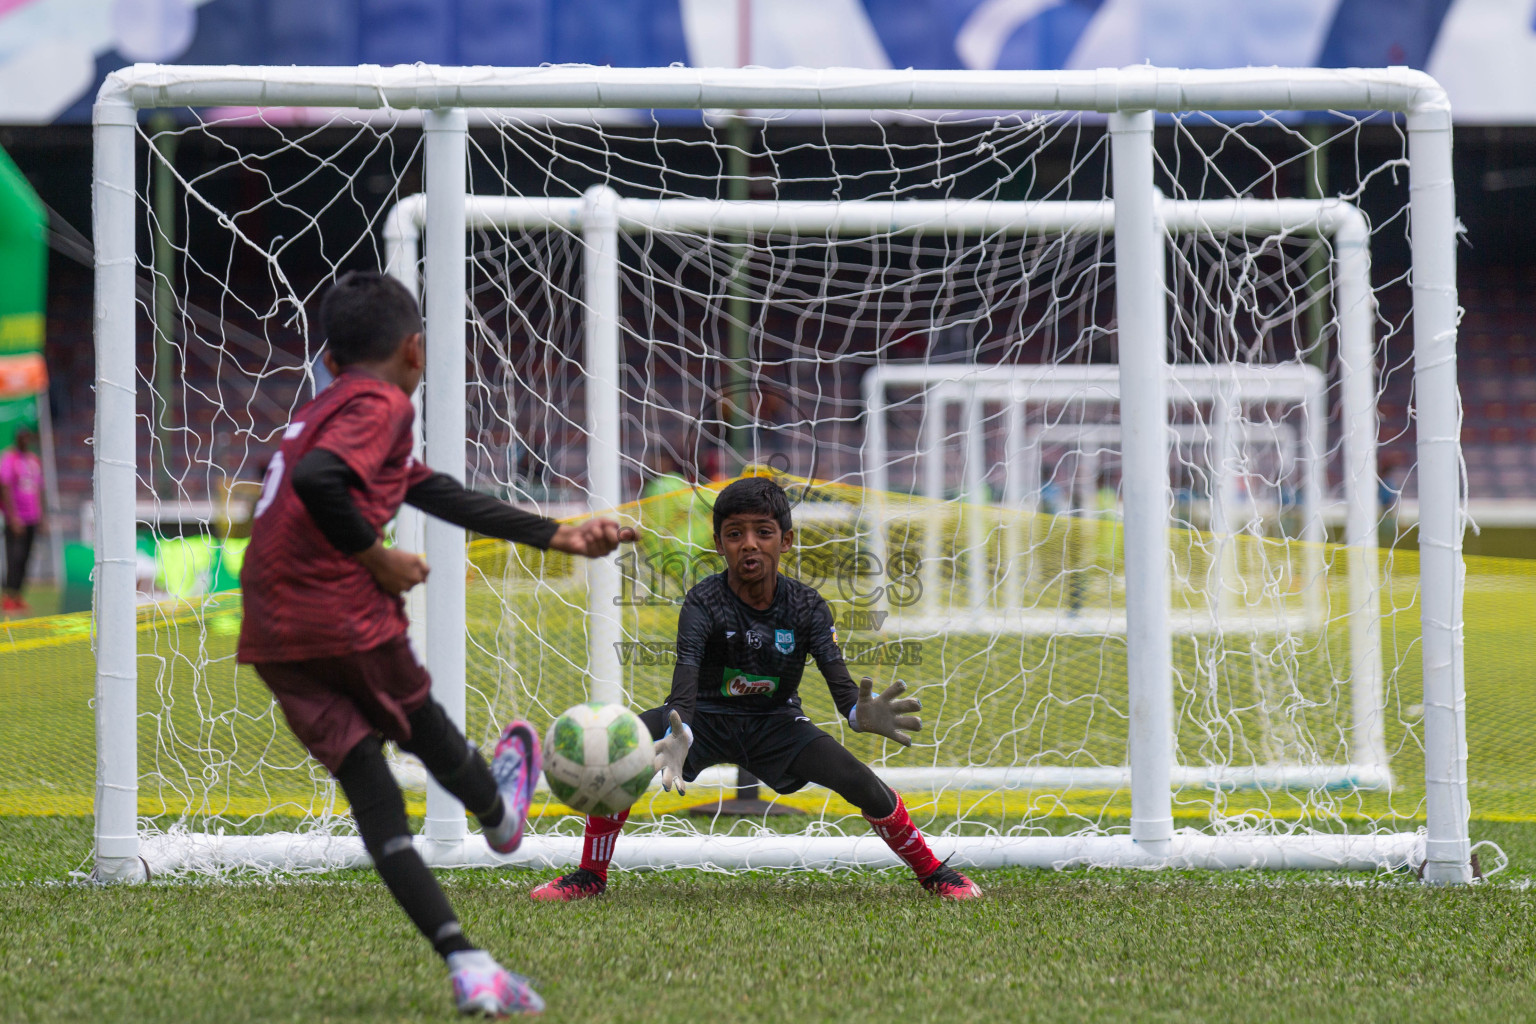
414	352
789	539
329	360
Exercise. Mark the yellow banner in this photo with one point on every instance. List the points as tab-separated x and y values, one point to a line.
21	332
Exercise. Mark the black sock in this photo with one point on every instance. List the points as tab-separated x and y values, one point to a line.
457	766
379	810
826	762
415	888
492	817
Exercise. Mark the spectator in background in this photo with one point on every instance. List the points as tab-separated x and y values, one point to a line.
666	475
21	497
675	527
709	467
1392	474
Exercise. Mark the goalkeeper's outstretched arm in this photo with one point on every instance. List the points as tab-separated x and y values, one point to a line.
888	714
829	660
693	627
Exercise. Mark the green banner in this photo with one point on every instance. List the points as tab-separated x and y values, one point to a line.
23	298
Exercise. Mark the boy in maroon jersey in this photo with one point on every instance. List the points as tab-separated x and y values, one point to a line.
325	623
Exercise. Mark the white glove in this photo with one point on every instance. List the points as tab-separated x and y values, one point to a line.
671	751
885	715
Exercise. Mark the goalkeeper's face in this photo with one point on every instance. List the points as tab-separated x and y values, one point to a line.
752	544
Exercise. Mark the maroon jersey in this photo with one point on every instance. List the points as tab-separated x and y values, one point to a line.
304	598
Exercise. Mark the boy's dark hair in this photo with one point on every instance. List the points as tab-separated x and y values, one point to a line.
755	495
366	315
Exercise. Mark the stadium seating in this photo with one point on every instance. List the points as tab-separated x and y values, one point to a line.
1498	385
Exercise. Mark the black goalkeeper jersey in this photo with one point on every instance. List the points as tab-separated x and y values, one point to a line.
733	658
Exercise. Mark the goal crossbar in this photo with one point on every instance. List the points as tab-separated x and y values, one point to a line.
1105	90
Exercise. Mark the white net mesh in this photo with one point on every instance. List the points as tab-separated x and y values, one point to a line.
970	545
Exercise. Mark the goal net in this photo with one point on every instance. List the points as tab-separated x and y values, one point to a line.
1083	413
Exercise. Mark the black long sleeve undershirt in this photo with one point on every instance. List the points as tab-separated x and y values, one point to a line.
845	692
684	695
442	496
324	482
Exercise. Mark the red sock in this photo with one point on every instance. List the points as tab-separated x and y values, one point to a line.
598	841
903	837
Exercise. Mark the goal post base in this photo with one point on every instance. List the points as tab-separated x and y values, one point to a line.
115	870
932	781
296	852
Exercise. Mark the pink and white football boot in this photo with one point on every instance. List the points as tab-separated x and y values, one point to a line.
516	766
483	987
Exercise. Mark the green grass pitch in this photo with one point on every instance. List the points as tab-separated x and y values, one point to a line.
686	946
772	947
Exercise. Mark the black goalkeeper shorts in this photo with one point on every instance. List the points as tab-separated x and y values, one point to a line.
765	743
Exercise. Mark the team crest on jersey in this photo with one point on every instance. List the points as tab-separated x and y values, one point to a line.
784	641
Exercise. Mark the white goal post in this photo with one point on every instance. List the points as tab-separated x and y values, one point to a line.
1130	98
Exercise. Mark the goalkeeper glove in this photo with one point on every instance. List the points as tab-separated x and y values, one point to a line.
671	751
885	715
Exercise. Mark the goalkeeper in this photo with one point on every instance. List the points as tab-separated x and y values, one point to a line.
742	640
325	625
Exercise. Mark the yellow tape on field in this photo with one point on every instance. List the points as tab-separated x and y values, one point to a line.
212	747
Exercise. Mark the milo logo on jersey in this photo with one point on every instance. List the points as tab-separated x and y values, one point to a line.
742	684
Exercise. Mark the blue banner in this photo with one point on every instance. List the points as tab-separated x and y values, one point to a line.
53	53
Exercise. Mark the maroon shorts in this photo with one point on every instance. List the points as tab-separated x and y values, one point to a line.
332	704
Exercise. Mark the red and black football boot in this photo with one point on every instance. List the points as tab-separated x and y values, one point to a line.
578	885
949	884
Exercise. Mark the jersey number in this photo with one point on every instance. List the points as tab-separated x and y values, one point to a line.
270	482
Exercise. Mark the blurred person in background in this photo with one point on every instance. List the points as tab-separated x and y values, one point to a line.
1392	474
21	498
676	528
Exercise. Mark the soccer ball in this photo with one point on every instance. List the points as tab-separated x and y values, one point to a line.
597	758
